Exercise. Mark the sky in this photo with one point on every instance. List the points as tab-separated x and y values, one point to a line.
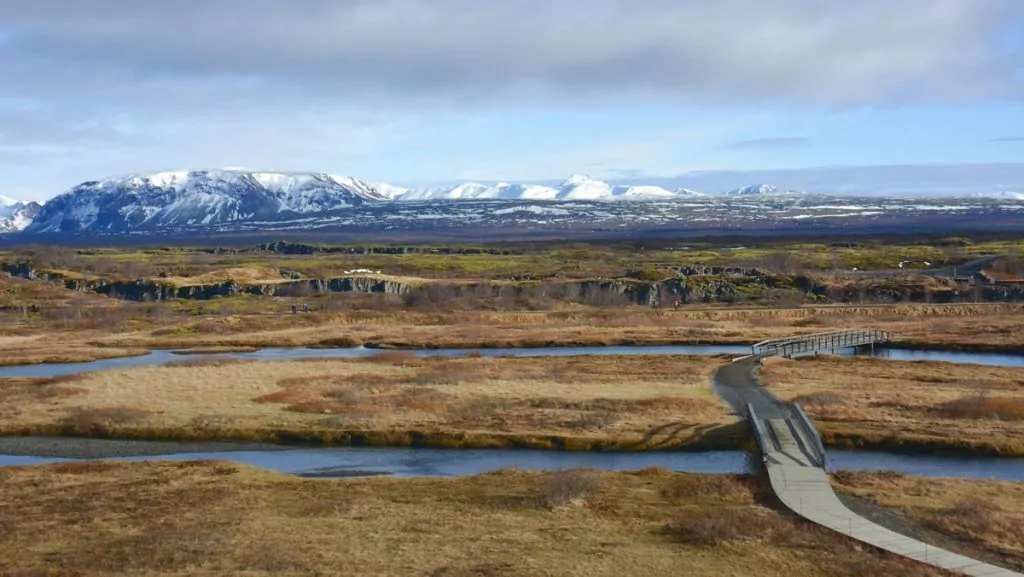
425	91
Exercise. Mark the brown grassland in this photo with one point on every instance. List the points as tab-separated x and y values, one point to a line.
876	402
390	399
988	515
995	327
103	333
572	403
208	518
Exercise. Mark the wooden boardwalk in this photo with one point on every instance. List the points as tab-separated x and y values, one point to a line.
827	341
795	461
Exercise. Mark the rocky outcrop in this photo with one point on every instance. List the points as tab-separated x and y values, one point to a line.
698	270
147	290
689	289
282	247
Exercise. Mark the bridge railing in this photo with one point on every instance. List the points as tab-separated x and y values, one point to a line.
810	432
831	340
755	426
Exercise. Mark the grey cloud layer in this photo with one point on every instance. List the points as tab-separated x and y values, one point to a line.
451	51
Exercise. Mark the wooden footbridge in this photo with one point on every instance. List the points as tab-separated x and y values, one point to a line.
795	460
827	341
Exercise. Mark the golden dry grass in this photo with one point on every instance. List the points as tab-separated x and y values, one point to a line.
205	518
37	350
625	402
852	399
986	514
643	402
995	327
241	275
134	325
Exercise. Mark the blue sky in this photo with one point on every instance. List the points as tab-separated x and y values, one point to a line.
422	91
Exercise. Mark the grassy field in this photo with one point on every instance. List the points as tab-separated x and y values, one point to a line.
578	260
902	404
206	518
988	515
78	324
392	399
575	403
102	330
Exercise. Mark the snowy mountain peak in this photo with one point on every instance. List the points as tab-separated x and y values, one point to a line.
16	215
575	179
579	187
576	187
761	190
169	198
389	191
1001	195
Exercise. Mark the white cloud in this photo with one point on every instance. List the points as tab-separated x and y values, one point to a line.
91	88
451	51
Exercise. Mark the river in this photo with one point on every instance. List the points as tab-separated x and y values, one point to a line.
405	462
337	462
161	357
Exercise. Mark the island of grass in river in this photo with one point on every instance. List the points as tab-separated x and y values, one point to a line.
569	403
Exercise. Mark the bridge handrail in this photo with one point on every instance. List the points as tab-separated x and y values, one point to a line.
755	425
812	434
885	336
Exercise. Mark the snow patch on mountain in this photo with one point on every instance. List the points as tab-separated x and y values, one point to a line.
1001	195
762	190
576	187
388	191
141	201
16	215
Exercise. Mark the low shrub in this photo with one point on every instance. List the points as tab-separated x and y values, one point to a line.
344	395
478	409
809	322
708	530
560	488
982	406
402	358
212	327
730	488
595	420
102	418
820	399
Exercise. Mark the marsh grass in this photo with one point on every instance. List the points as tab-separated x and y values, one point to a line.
984	514
208	518
562	488
566	403
912	406
983	406
103	418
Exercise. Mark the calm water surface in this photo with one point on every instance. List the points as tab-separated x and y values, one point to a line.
406	462
161	357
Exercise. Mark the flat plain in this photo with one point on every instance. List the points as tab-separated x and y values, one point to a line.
206	518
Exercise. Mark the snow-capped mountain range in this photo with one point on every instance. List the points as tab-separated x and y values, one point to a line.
237	199
213	197
167	199
1001	195
576	187
16	215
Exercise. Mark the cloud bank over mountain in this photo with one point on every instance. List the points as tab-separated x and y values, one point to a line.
456	50
454	87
